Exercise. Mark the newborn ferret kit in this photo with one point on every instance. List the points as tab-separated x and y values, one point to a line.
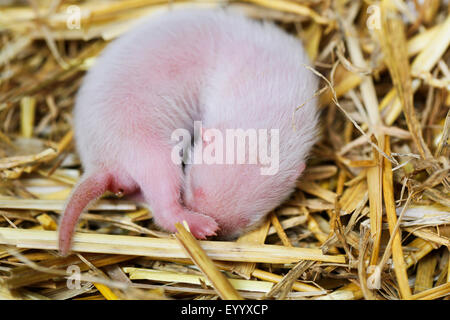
221	70
254	149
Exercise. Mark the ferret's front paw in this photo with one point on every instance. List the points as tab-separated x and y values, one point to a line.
200	225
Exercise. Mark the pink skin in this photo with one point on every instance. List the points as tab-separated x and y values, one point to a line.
176	68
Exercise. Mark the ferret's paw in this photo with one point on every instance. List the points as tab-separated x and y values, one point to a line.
201	226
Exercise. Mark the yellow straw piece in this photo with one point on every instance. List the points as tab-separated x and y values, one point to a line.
106	292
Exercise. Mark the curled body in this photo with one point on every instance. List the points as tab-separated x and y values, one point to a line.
222	69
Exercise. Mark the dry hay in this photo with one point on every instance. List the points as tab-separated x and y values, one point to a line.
375	194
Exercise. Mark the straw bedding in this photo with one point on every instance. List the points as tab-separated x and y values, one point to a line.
371	215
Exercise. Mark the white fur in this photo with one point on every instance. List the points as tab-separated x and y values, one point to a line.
223	69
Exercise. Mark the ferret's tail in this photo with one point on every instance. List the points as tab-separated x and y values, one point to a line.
88	189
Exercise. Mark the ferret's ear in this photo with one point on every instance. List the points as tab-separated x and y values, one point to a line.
205	139
210	135
201	138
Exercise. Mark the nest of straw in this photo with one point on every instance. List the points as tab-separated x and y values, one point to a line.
370	218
